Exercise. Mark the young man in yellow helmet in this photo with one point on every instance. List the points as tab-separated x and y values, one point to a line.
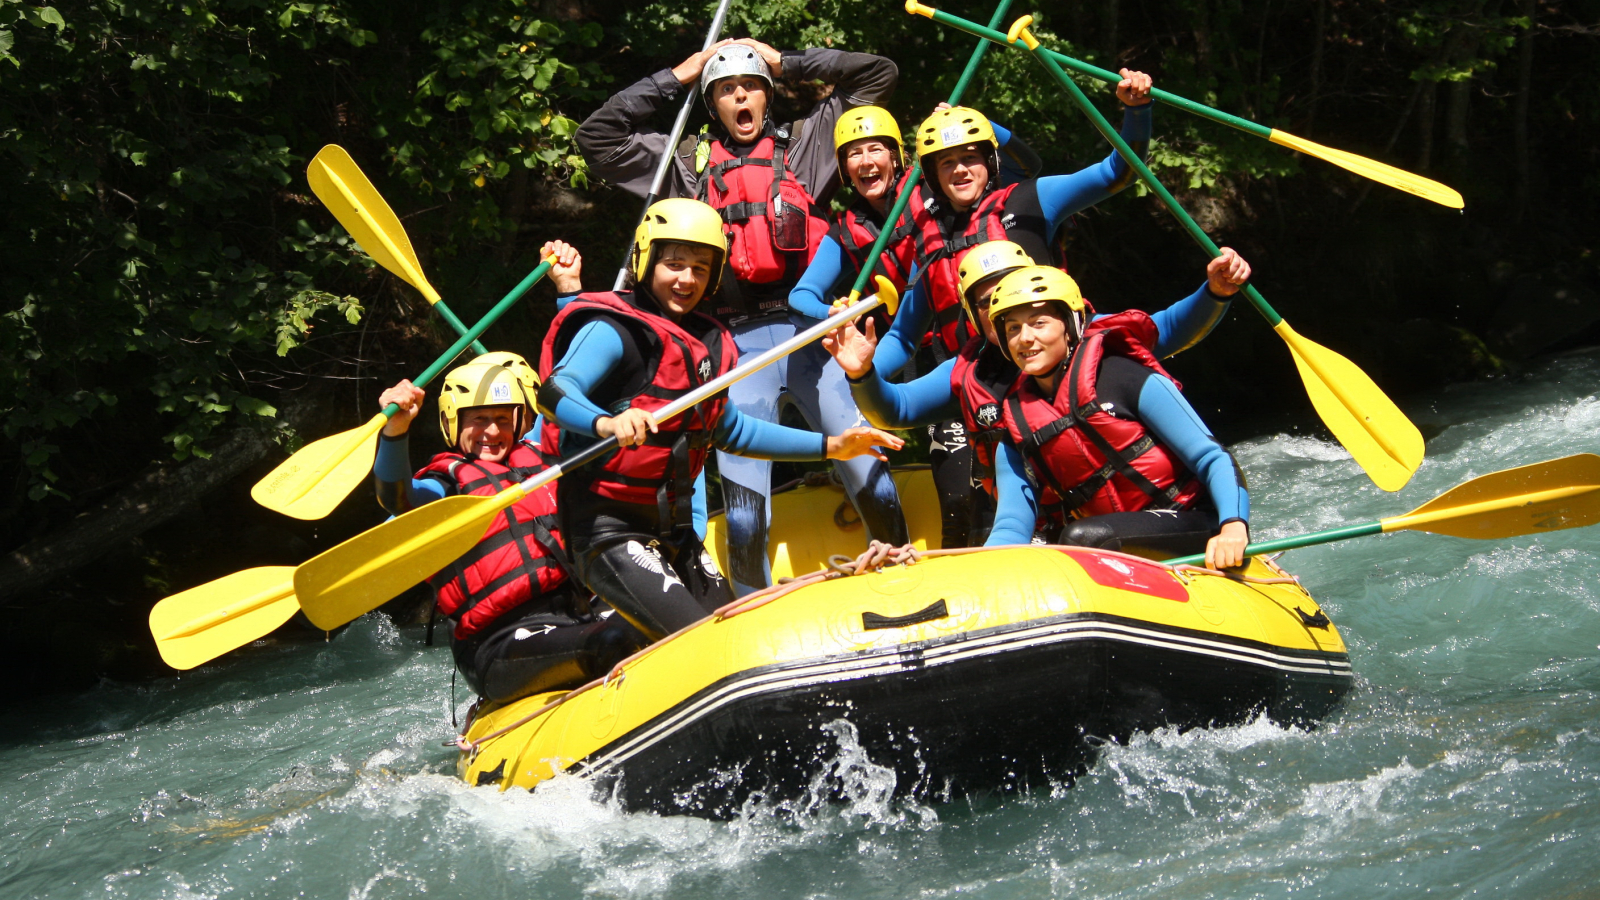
1119	455
771	182
610	361
519	623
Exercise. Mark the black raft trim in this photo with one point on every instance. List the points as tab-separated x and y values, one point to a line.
872	621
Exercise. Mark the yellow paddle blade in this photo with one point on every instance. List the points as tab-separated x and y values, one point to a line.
1426	188
1546	496
374	567
344	189
1378	435
309	484
205	622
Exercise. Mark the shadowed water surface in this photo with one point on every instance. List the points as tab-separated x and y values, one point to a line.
1466	761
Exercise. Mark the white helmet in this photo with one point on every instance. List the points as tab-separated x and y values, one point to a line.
732	60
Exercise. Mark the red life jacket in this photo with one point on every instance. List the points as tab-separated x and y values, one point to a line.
773	224
979	381
938	255
677	358
518	560
1089	461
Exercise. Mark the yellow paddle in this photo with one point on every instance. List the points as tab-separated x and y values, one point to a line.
1378	435
364	572
1411	183
205	622
347	193
1533	499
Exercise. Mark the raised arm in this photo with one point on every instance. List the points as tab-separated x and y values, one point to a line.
858	79
1062	195
397	491
1187	322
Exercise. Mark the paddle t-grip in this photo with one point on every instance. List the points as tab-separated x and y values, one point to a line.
1019	29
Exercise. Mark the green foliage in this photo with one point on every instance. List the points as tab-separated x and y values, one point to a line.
161	254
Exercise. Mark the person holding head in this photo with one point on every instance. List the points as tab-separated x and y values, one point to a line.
968	388
1123	461
771	182
610	361
519	626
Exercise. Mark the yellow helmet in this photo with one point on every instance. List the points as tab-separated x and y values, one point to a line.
679	221
867	122
526	376
984	261
1038	284
495	382
957	126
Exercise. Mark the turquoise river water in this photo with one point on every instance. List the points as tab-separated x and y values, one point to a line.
1466	761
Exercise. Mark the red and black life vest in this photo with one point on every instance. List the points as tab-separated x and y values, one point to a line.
774	225
519	559
939	253
1089	461
856	230
979	381
677	358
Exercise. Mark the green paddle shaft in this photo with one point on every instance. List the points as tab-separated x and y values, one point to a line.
470	335
1291	543
1183	103
460	327
874	256
1132	159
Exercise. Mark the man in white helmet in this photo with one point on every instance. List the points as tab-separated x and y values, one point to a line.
771	183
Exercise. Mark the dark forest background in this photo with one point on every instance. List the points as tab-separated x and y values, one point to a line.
177	310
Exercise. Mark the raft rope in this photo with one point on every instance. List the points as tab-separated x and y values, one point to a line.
877	555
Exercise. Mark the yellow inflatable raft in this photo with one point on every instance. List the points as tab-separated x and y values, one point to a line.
979	670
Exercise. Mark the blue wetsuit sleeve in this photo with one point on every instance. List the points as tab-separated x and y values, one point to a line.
391	470
1018	161
593	354
1062	195
809	297
1176	425
1015	510
749	436
921	402
1187	322
563	299
700	505
897	347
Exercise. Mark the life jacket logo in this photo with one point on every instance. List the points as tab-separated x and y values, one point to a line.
500	392
705	369
988	414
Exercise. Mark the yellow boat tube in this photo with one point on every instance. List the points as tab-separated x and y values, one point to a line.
974	671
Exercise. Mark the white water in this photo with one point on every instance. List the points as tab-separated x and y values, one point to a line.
1466	761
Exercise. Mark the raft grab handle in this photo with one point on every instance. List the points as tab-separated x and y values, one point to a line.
871	621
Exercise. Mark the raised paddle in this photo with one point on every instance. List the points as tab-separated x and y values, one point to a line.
1425	188
309	484
689	95
1534	499
347	193
205	622
1378	435
363	573
874	256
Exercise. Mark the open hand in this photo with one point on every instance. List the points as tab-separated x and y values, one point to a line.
409	398
688	71
1134	88
1226	549
1226	273
851	349
862	441
773	58
630	427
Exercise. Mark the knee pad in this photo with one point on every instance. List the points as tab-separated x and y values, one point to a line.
1091	532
